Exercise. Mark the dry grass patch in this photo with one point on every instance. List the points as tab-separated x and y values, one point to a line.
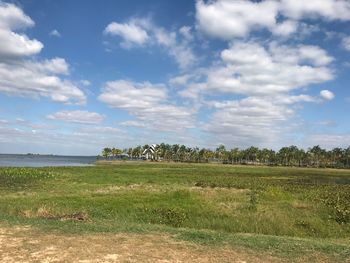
301	205
23	244
46	213
112	189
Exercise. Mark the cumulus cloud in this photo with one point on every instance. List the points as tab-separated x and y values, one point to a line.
263	81
77	116
285	28
29	79
55	66
327	95
228	19
251	68
55	33
130	32
142	32
148	103
327	9
14	44
22	76
250	121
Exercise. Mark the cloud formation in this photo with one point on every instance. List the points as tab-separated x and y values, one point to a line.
346	42
139	32
263	82
252	68
22	76
327	95
228	19
148	104
77	116
55	33
131	33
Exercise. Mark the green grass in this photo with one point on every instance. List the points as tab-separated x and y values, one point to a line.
289	212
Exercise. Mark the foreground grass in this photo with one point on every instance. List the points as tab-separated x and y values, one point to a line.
287	212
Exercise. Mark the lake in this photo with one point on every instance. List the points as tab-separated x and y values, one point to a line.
28	160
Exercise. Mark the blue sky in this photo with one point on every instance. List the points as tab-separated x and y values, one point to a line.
76	76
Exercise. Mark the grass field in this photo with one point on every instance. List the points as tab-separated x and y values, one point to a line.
262	213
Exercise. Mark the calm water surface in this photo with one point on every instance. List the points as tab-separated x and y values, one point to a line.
21	160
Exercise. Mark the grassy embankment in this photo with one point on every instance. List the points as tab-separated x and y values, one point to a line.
289	213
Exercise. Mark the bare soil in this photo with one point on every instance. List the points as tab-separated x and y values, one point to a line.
24	244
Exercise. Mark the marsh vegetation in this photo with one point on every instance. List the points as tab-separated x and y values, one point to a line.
284	212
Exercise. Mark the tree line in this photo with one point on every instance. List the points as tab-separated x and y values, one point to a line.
286	156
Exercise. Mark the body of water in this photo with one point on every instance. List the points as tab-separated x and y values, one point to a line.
27	160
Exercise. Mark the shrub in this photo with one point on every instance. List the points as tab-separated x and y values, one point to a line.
22	177
167	216
338	200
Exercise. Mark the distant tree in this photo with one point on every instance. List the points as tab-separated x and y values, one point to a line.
286	156
115	152
106	152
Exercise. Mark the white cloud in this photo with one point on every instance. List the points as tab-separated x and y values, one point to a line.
17	45
186	32
180	80
55	66
228	19
100	130
251	68
328	9
254	120
130	32
36	80
250	121
180	51
55	33
12	17
327	95
346	43
77	116
21	76
142	32
267	77
39	138
137	124
149	104
126	94
327	140
14	44
285	28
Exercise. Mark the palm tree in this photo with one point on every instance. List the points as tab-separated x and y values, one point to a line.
174	151
137	151
106	152
286	156
347	157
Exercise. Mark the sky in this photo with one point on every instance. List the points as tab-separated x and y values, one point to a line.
77	76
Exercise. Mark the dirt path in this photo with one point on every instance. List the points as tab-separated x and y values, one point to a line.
23	244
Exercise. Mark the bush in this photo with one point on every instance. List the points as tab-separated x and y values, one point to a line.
338	201
22	177
167	216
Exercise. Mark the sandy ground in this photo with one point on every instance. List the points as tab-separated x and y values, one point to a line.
24	244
